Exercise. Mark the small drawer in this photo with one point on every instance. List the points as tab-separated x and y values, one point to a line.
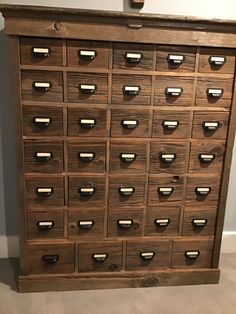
87	191
125	223
162	221
210	125
206	157
45	224
89	54
100	256
87	122
199	221
126	191
147	255
87	87
86	224
213	60
51	258
166	191
175	58
131	90
167	157
192	253
41	86
176	91
40	123
87	156
133	56
41	51
44	191
129	123
171	124
128	157
203	190
214	92
43	156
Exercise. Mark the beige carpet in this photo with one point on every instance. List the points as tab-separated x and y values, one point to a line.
208	299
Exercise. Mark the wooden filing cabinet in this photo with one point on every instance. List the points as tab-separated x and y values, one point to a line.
125	128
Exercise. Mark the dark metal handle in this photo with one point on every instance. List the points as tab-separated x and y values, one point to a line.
41	122
165	191
87	123
128	157
175	59
206	158
199	222
44	191
133	57
174	91
100	257
167	158
87	88
215	92
42	86
125	223
162	222
126	191
192	254
43	157
170	124
85	224
202	191
41	52
129	124
86	157
50	259
45	225
86	191
131	90
217	61
87	54
147	256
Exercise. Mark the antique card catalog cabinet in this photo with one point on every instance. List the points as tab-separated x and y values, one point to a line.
125	127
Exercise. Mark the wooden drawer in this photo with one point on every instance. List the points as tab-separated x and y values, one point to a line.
100	256
91	54
147	255
166	191
131	90
199	221
43	156
214	92
86	224
41	86
171	124
87	191
125	223
133	56
175	58
41	51
128	157
87	156
87	87
176	91
129	123
167	157
44	191
162	221
45	224
40	123
206	157
126	191
210	125
87	122
214	60
51	258
192	253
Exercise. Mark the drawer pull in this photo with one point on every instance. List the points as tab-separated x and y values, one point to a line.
100	258
131	90
215	92
167	158
125	223
85	224
163	222
42	86
206	158
211	126
87	88
174	91
129	124
131	57
50	259
147	256
199	222
42	123
202	191
217	61
192	254
126	191
175	59
87	123
86	157
165	191
45	225
41	52
128	158
43	157
170	125
86	191
44	191
87	54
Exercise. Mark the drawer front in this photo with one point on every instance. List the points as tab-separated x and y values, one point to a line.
34	51
131	90
177	59
40	123
91	54
43	156
86	224
84	87
87	122
87	191
129	123
44	191
125	223
192	253
127	157
199	221
171	124
45	224
133	56
161	221
167	157
147	255
100	256
51	258
41	86
87	156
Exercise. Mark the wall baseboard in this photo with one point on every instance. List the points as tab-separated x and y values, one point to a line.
9	245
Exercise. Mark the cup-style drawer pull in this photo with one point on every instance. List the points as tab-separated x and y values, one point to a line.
42	86
133	57
167	158
192	254
85	224
165	191
215	92
42	123
125	223
206	158
86	191
127	157
41	52
131	90
43	157
129	124
170	124
163	222
87	123
87	88
217	60
174	91
175	59
45	225
100	257
211	126
87	54
199	222
44	191
50	259
202	191
126	191
86	157
147	256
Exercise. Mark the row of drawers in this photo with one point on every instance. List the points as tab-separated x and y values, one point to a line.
92	54
91	156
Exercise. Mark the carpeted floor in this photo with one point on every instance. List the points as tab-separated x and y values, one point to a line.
208	299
